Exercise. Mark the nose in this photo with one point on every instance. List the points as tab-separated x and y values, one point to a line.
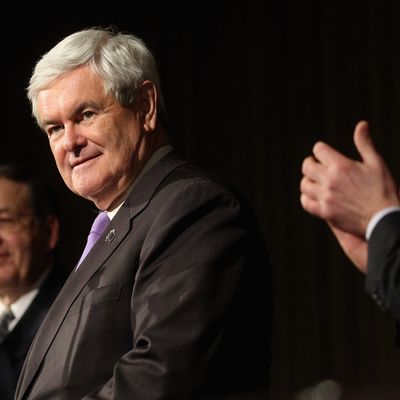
73	139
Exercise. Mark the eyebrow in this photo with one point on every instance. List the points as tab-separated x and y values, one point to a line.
75	111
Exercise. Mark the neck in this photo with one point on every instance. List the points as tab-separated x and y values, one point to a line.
155	141
10	295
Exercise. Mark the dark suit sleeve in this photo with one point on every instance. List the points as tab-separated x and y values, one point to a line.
383	277
200	302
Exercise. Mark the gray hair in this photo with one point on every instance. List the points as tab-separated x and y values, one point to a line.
123	61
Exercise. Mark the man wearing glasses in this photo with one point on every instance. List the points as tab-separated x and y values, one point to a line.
28	282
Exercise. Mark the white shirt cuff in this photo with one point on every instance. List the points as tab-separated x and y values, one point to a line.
377	217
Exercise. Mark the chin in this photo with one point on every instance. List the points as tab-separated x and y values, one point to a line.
85	187
89	193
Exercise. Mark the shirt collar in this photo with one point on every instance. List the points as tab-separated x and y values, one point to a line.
19	306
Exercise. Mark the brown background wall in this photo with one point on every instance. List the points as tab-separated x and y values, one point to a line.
249	89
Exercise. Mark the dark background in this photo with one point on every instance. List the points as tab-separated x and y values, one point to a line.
249	89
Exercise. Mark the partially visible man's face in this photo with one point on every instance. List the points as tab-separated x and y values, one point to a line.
97	144
19	237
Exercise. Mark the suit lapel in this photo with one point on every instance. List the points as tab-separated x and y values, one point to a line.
104	247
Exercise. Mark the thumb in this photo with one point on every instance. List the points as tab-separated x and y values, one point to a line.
364	143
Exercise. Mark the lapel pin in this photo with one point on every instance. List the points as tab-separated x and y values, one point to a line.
110	236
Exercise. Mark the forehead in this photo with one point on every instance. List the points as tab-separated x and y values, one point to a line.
14	196
68	91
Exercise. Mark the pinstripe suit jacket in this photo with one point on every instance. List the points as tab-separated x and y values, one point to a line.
173	301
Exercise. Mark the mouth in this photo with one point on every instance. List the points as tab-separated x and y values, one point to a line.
3	257
83	160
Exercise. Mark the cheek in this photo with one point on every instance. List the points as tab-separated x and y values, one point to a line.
59	157
24	253
57	153
119	152
19	250
123	137
22	246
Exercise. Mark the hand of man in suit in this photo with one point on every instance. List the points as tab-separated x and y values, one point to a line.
347	193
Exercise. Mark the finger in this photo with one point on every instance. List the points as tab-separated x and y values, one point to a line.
310	198
310	205
327	155
313	169
310	188
364	143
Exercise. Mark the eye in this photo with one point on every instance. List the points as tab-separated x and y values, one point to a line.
53	129
7	223
87	115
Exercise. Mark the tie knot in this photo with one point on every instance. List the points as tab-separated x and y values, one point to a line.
7	317
5	320
100	223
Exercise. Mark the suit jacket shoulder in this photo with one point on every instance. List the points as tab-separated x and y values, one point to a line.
16	345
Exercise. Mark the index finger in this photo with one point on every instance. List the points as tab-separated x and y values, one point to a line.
327	155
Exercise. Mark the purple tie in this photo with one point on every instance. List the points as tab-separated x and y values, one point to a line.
98	227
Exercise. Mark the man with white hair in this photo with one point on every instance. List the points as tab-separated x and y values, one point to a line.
173	301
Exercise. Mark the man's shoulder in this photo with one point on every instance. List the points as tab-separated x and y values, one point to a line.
174	180
185	171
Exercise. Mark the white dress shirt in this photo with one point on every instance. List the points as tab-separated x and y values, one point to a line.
19	306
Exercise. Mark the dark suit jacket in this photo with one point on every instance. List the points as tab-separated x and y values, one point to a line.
173	301
15	346
383	281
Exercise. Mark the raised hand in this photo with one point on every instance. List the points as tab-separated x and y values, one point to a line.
345	192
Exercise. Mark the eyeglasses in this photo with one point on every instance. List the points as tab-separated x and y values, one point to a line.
10	223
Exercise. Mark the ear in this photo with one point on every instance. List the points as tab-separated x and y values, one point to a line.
52	231
148	106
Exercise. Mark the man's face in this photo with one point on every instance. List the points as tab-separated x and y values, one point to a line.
97	144
20	238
